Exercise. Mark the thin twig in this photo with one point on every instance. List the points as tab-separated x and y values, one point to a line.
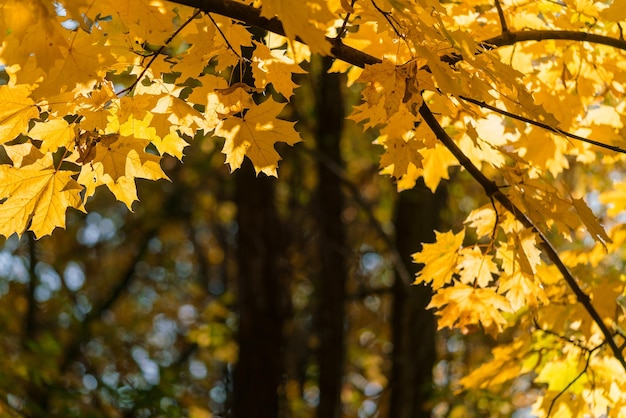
561	337
543	125
344	25
156	54
224	36
505	28
392	22
584	370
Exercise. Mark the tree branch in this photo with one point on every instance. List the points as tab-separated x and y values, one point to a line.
510	38
505	27
252	16
492	190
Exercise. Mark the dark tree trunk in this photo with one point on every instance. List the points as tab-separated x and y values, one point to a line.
332	278
418	214
258	376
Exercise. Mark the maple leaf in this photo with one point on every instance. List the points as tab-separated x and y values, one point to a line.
399	153
476	266
435	165
30	32
483	219
465	306
522	289
591	222
302	21
500	369
271	66
439	259
520	253
95	106
54	134
388	86
16	110
254	136
36	197
23	154
121	158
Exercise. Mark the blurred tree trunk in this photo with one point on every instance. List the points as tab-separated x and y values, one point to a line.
413	327
329	114
262	298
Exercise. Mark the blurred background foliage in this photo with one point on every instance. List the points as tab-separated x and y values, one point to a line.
138	314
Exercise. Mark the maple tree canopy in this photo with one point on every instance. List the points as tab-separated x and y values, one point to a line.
95	93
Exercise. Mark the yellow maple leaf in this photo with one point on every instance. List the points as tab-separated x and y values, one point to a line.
591	222
500	369
54	134
121	158
23	154
520	253
150	21
465	306
522	289
300	19
16	109
439	259
399	153
254	136
435	165
476	266
483	219
563	372
386	85
30	31
272	66
37	197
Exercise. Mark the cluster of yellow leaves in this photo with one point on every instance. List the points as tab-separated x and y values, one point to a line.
98	92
